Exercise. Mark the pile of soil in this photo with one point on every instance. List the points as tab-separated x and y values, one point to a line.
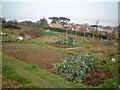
58	45
97	76
6	83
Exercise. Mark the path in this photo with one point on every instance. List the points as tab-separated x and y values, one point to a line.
36	79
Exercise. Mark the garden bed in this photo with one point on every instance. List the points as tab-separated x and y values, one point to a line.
97	76
58	45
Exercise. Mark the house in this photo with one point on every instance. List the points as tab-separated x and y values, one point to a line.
82	29
105	30
56	25
69	27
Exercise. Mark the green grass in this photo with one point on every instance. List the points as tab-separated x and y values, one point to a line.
54	33
12	74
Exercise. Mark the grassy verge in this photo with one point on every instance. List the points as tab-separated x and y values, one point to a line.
34	74
11	73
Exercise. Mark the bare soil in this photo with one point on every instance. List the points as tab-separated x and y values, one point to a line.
96	76
43	57
58	45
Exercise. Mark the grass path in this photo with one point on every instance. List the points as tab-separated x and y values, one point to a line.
34	78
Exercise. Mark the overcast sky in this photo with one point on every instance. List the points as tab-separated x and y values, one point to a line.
78	12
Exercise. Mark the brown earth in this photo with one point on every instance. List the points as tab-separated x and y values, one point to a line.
6	83
96	76
58	45
43	57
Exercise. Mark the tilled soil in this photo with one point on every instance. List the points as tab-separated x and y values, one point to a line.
58	45
96	76
43	57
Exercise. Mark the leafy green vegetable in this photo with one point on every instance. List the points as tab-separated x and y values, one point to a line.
75	67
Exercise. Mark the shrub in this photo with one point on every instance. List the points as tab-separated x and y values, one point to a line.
75	68
9	25
102	37
32	33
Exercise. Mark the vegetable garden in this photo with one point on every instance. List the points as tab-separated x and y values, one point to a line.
78	69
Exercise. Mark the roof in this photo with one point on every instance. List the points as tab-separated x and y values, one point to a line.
67	25
107	28
81	28
56	25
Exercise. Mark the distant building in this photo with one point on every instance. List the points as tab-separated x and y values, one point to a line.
69	27
56	25
82	29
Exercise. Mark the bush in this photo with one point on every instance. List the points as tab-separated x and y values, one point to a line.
36	33
102	36
75	68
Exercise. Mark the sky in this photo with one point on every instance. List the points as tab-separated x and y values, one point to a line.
78	11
